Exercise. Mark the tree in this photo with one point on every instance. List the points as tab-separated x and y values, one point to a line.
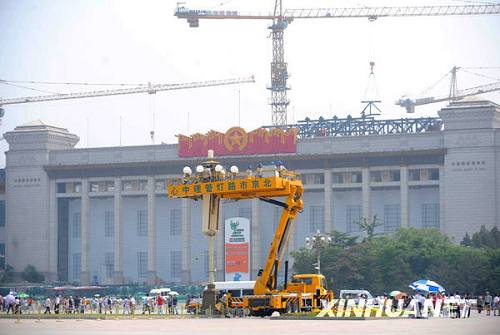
369	226
467	241
31	275
343	240
7	274
485	239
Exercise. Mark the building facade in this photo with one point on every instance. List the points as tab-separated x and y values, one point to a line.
101	215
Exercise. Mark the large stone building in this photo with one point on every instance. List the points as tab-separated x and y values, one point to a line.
102	214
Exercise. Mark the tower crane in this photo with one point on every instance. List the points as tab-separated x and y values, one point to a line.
282	17
150	89
454	93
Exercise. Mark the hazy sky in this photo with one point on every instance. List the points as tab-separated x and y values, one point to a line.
141	41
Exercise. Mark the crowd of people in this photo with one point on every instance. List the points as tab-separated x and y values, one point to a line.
14	304
452	305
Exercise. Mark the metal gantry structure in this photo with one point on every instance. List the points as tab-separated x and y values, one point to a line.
362	126
281	18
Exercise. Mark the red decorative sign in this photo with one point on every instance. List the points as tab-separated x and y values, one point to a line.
236	141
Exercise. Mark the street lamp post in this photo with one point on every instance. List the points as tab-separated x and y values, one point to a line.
318	242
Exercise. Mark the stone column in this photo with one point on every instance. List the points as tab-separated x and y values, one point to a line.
52	259
118	237
403	174
186	241
255	240
85	233
328	209
151	232
365	190
219	240
442	200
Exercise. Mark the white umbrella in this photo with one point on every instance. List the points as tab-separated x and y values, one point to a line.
173	293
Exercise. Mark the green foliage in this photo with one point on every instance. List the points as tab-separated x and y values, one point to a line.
31	275
483	238
7	274
386	263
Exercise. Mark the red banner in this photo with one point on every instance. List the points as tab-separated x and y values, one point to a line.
236	141
237	257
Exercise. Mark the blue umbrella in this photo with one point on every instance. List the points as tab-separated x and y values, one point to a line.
426	285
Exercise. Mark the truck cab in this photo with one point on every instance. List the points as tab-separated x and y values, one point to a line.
307	283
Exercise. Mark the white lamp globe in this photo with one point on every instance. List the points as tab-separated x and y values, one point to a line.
218	168
187	170
200	169
234	169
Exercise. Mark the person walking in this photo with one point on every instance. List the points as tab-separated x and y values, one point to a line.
174	305
467	305
10	301
458	300
57	302
159	303
496	305
47	304
146	304
480	304
488	300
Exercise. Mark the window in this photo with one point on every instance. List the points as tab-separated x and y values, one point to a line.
77	266
142	264
160	184
61	187
392	218
414	174
109	264
245	212
175	264
434	174
316	219
134	185
69	187
395	175
175	222
2	213
142	222
375	176
313	178
353	216
110	186
95	187
347	177
430	215
76	225
2	256
109	224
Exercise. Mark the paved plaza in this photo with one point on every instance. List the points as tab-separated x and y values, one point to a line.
475	325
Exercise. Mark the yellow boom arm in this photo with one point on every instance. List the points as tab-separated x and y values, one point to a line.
282	184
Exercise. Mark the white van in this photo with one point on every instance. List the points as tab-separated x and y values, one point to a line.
237	289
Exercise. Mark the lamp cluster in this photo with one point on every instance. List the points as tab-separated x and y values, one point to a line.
213	171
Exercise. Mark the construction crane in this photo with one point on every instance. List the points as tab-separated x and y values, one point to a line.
281	18
150	89
454	93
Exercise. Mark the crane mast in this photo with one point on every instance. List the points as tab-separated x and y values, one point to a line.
281	18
